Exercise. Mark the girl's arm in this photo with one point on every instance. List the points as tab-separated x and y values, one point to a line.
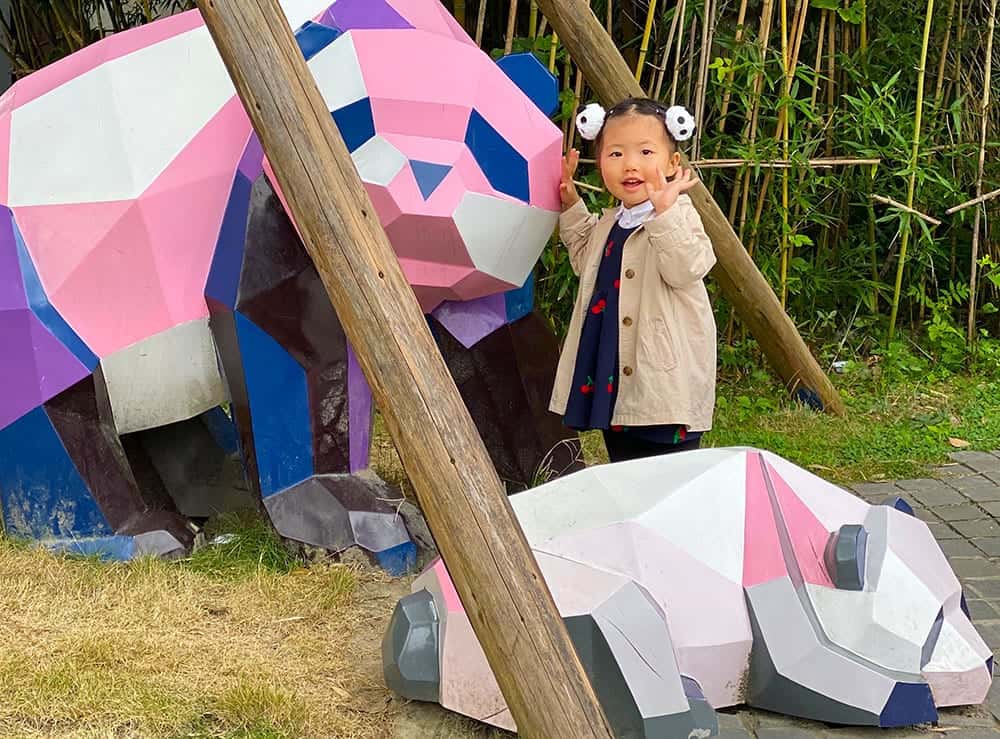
684	253
576	224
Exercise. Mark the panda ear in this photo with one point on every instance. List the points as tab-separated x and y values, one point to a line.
534	79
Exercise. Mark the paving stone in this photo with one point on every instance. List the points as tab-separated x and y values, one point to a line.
952	471
734	734
981	610
943	532
990	545
972	567
789	732
992	702
934	493
977	488
959	548
990	634
988	588
979	461
991	507
959	513
966	716
875	489
925	515
977	529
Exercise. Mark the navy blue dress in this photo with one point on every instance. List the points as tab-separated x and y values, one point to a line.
595	380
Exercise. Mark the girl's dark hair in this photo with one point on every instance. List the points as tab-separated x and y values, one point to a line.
637	106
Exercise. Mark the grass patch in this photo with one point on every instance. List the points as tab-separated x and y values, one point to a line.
247	546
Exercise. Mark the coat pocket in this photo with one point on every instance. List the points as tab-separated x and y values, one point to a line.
656	348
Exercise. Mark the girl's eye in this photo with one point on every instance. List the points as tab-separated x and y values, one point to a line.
647	152
615	154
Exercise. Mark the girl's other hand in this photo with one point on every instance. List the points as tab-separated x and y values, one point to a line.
567	190
663	194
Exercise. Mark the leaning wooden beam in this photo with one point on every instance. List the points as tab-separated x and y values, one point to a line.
473	524
975	201
906	209
743	284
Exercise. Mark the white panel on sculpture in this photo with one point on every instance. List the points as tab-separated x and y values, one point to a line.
706	517
115	108
957	670
338	73
577	588
954	652
904	606
169	377
377	161
832	506
298	12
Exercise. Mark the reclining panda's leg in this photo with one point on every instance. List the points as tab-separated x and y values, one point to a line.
66	481
505	379
299	400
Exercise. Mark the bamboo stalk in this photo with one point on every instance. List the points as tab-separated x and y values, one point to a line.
480	23
784	149
511	27
533	19
727	95
662	69
984	122
975	201
701	87
552	52
690	58
459	12
610	19
585	186
644	47
677	54
819	163
906	209
914	154
944	55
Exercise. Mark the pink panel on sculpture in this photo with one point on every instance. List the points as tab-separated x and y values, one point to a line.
420	66
427	15
430	239
524	126
4	158
384	204
544	174
467	682
127	279
961	689
762	557
474	178
451	600
60	237
833	506
442	203
112	47
808	536
435	122
479	284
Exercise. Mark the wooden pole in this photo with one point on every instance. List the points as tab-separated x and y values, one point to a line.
743	284
488	557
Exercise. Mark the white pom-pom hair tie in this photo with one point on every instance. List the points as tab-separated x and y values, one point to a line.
590	121
680	123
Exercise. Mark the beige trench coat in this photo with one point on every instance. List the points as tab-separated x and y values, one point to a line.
666	334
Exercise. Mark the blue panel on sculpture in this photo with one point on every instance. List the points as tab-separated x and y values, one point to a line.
535	81
900	504
503	166
222	429
964	605
120	548
521	302
927	651
42	496
429	176
312	38
279	409
41	306
356	123
227	261
398	560
989	665
909	704
809	398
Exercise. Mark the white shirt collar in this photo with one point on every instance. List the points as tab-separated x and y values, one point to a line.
634	216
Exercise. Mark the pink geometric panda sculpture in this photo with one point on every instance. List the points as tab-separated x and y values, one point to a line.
715	578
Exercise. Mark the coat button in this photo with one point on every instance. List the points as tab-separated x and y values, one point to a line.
629	274
627	321
627	371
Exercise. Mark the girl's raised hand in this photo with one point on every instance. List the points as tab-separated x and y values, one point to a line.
663	193
567	190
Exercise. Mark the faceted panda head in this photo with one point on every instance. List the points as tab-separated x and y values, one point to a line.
456	151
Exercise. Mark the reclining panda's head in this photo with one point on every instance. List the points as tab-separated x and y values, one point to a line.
461	164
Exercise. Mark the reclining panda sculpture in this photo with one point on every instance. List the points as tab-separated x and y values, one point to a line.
708	579
160	318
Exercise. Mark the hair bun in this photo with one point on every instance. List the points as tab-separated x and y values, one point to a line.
680	122
590	121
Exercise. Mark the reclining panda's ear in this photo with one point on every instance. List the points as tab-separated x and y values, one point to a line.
534	79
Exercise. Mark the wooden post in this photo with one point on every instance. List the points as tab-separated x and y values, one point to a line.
751	296
488	557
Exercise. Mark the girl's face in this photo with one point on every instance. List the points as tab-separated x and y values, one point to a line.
635	149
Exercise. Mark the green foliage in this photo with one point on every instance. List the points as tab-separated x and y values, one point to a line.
246	545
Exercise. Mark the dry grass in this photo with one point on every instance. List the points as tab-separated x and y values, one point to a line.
156	649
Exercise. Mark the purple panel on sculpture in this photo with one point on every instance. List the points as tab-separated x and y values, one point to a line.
56	366
474	319
17	367
252	163
359	408
349	14
12	295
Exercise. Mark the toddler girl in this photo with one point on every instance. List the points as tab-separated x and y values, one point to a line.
639	358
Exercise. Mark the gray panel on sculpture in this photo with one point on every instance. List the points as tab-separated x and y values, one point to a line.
845	557
377	532
410	649
158	544
309	513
